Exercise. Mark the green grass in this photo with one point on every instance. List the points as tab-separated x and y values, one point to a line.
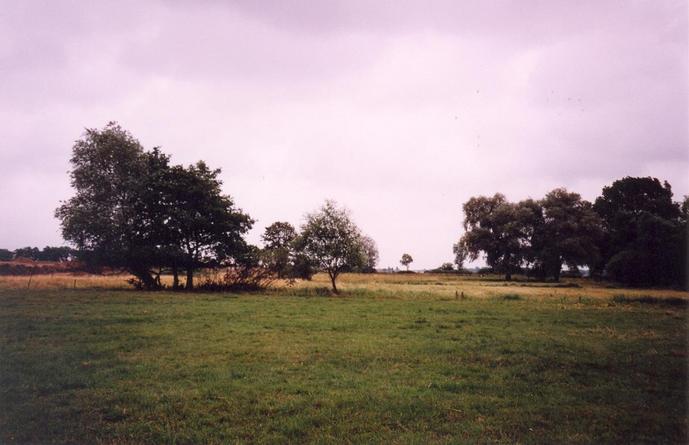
87	366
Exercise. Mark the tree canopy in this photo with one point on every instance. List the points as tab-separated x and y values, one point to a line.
499	229
406	260
566	231
332	241
635	233
278	240
645	240
134	210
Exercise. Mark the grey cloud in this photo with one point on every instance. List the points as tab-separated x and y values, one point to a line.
399	110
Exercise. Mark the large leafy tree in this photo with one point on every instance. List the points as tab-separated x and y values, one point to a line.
498	229
134	210
104	219
645	232
332	241
202	226
566	230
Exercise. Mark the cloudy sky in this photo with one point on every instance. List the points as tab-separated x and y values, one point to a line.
399	110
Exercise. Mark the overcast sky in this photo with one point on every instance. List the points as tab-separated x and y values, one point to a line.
399	110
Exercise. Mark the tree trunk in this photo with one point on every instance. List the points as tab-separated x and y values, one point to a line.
190	278
175	277
144	275
333	277
508	275
557	271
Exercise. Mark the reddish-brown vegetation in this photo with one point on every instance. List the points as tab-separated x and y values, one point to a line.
26	266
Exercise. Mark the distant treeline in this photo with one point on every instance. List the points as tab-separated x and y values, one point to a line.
133	210
634	233
48	253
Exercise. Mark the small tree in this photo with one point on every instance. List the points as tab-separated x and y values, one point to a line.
406	260
332	241
278	240
446	267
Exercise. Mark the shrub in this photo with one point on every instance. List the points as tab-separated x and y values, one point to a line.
239	278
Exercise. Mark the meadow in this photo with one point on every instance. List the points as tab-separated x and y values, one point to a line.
403	358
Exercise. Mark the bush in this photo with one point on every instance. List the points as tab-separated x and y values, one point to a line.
237	279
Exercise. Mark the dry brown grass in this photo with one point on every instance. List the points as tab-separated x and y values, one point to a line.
430	286
64	281
448	286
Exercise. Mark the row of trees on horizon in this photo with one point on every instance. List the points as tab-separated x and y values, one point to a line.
134	210
48	253
634	233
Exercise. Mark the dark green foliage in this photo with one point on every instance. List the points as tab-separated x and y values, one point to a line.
646	233
629	197
499	229
62	253
48	253
566	230
133	210
461	253
202	225
445	268
106	218
370	251
634	233
302	268
31	253
278	240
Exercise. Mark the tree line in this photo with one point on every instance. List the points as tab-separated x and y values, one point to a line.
48	253
135	210
634	233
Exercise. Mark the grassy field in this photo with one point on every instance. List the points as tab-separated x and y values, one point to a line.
394	359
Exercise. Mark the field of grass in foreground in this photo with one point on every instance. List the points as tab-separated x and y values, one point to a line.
394	359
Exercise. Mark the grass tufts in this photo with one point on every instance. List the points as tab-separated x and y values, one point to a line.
647	299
